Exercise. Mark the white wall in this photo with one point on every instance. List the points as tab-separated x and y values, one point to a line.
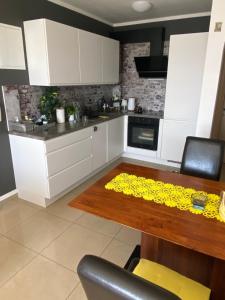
214	53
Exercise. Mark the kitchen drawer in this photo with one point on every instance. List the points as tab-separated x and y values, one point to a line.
67	139
68	156
69	177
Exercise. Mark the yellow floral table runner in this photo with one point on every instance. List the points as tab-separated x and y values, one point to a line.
164	193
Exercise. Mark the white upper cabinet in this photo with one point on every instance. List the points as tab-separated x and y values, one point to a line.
58	54
90	57
52	53
11	47
185	73
110	60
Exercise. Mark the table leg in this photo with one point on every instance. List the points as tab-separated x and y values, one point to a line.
197	266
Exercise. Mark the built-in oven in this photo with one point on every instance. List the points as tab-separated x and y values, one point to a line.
143	133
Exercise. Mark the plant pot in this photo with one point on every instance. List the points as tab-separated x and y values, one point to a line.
71	118
60	115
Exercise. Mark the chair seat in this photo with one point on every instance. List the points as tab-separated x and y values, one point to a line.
183	287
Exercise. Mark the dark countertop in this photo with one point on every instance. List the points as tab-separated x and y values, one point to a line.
41	133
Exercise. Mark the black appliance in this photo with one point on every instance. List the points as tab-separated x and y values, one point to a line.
143	133
91	111
152	66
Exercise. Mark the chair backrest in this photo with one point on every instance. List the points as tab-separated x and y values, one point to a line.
103	280
202	157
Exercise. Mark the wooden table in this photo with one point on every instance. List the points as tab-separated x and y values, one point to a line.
190	244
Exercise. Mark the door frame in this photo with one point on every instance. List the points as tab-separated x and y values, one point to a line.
220	102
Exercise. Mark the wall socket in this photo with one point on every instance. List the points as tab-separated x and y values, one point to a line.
218	27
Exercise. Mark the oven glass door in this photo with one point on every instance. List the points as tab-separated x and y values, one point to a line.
142	136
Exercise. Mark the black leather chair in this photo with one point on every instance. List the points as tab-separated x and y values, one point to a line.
202	157
103	280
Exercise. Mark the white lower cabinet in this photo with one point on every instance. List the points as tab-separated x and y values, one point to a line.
66	157
67	178
115	138
99	145
174	137
45	170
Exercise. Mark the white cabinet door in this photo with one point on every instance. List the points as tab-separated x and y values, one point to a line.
52	53
63	53
115	137
11	47
174	137
99	145
185	73
110	60
90	57
66	157
69	177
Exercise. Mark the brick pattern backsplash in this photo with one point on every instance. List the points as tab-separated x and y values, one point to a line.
149	93
23	100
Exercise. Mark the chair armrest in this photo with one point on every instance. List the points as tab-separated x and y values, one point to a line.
104	280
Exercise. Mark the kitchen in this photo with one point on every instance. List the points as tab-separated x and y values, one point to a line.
150	93
72	158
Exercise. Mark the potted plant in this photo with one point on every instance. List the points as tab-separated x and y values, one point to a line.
49	102
71	110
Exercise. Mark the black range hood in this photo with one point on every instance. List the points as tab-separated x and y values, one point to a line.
152	66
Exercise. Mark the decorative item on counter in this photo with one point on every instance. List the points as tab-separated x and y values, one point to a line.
77	111
71	110
84	119
131	104
138	109
124	105
60	115
45	124
116	103
199	200
222	205
49	102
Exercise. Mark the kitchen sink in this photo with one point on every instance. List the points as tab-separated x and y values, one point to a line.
103	117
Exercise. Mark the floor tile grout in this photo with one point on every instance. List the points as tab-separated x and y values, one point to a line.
20	244
22	221
67	228
11	277
57	263
30	218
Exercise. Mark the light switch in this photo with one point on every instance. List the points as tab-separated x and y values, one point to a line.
218	27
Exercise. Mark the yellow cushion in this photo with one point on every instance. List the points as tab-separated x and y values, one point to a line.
183	287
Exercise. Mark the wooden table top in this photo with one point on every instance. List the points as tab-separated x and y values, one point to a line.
180	227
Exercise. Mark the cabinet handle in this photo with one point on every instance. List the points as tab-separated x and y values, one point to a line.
95	128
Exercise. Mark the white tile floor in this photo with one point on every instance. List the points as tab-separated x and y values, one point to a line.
40	248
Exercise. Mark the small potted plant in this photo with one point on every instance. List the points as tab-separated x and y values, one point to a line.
71	110
49	102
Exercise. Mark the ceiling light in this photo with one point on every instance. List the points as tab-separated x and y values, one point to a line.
141	5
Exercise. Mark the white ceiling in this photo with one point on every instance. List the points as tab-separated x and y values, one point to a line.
120	11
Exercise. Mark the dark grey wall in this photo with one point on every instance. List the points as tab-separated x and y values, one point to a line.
15	12
191	25
7	182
